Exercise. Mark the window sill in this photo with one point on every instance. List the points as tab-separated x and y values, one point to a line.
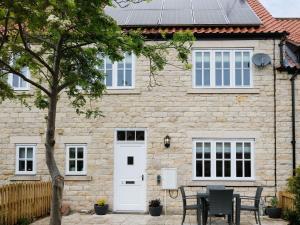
223	91
122	92
77	178
249	180
25	178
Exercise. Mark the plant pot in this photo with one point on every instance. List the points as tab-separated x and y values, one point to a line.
101	210
155	211
273	212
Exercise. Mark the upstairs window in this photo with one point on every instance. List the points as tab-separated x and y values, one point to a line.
119	75
221	68
25	159
17	82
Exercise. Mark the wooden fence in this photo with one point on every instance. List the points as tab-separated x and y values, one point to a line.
24	200
286	200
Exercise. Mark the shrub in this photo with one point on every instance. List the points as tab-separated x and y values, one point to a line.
294	187
101	202
23	221
291	216
274	202
154	203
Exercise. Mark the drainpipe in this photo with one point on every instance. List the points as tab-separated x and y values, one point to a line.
293	121
275	112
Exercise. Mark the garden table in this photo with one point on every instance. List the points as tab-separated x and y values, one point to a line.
202	198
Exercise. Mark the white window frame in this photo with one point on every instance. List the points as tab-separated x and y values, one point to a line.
212	52
33	172
76	173
233	177
115	74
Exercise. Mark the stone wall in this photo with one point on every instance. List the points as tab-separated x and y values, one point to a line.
172	108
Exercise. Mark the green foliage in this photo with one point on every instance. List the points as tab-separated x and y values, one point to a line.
23	221
274	202
60	42
154	203
291	216
294	187
101	202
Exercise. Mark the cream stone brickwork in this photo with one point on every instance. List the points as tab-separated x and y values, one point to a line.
173	108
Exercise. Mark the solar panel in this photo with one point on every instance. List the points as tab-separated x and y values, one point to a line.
185	12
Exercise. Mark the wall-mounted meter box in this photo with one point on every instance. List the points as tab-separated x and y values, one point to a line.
169	178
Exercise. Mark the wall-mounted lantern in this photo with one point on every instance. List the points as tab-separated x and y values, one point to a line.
167	141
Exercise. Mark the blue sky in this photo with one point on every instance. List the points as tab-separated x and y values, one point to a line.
283	8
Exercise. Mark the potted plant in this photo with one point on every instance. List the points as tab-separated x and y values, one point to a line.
155	208
273	211
101	207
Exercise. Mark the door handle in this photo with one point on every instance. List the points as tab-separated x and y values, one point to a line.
143	177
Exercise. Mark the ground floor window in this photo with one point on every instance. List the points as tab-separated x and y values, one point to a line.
76	159
223	159
25	159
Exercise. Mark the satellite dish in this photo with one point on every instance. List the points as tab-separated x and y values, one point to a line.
261	59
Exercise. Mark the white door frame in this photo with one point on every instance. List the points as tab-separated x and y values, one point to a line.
115	180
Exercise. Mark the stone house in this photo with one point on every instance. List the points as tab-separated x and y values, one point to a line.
228	120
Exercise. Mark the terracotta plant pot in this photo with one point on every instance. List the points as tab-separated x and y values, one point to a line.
101	210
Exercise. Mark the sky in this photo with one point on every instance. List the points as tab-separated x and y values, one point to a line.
283	8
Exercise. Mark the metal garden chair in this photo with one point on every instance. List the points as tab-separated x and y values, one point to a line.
220	203
189	207
255	207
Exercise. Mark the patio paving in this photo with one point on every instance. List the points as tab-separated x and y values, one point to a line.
134	219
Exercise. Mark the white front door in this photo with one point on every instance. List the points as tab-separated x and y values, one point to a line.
130	177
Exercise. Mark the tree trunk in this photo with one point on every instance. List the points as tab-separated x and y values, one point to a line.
57	178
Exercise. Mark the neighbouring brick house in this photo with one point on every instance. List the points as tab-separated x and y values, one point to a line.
230	122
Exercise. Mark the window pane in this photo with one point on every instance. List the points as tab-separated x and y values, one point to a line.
21	165
80	153
239	150
128	78
207	168
198	77
206	60
198	59
218	77
199	168
246	60
120	78
24	71
219	168
227	168
199	149
22	153
80	165
227	150
128	61
238	77
29	153
246	77
218	60
239	168
238	60
72	165
15	81
207	77
226	77
29	165
247	150
121	135
108	78
140	135
108	63
226	60
219	150
130	135
207	150
247	169
72	153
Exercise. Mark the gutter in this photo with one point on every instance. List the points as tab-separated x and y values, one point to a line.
293	142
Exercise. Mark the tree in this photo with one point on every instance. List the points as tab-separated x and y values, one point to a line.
60	41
